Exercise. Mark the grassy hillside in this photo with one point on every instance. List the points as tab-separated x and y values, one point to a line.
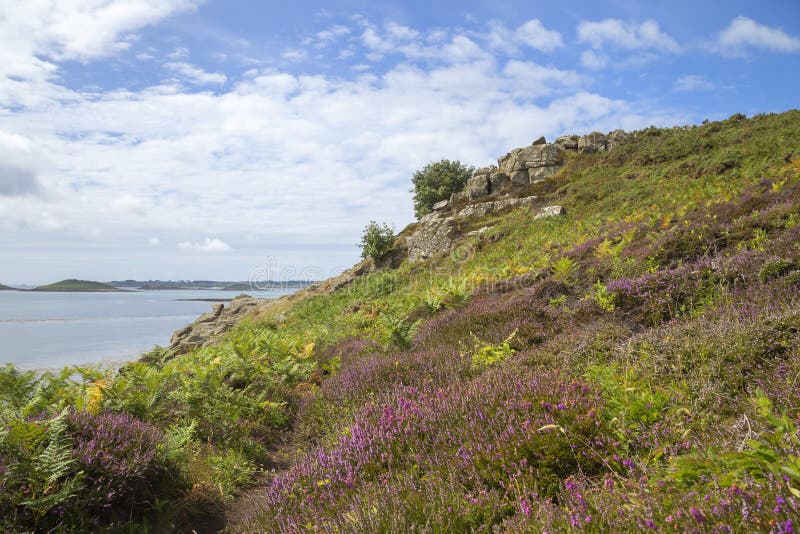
77	285
631	365
5	288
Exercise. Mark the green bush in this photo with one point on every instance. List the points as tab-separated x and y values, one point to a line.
774	268
376	240
436	181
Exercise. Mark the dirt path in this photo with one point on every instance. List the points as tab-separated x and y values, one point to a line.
239	513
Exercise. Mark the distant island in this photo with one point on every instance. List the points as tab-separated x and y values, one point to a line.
6	288
150	285
84	286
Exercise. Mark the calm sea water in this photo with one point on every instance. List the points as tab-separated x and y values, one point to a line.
51	330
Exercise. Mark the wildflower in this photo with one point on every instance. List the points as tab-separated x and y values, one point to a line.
697	514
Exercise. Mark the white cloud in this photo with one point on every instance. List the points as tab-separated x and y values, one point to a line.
744	33
283	165
535	35
208	245
36	35
294	54
693	82
531	34
18	166
180	52
196	75
630	36
154	242
332	33
594	60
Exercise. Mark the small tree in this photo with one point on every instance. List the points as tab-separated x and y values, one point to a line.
376	240
436	181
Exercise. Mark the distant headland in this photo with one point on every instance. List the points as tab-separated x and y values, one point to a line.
150	285
6	288
84	286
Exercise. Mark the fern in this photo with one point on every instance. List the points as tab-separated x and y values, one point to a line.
176	439
51	483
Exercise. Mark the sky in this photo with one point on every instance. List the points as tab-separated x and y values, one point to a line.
230	139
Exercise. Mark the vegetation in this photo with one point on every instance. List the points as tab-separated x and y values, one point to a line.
436	181
376	241
78	285
5	288
629	366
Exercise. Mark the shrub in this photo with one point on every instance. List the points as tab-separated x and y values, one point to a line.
774	268
436	181
376	240
120	456
486	355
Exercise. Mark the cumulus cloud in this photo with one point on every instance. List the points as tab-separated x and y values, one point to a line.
693	82
208	245
626	35
195	74
288	163
18	168
744	34
16	181
532	34
594	60
535	35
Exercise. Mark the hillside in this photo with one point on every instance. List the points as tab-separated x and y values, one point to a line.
5	288
607	341
73	285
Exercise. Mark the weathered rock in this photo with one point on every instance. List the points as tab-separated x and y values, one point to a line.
479	231
549	211
476	210
529	157
430	239
520	178
540	141
484	171
458	197
618	137
211	325
485	208
514	203
540	173
567	142
428	217
440	206
478	187
592	142
497	181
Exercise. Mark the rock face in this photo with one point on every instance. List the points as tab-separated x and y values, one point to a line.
549	211
434	235
593	142
209	326
436	232
478	186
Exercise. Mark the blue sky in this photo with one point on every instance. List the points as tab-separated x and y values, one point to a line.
205	139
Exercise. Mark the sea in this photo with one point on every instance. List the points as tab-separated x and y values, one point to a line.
49	330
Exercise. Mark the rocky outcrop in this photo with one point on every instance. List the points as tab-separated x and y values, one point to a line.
211	325
485	208
478	186
530	164
434	235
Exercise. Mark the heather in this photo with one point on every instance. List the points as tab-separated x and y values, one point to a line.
629	366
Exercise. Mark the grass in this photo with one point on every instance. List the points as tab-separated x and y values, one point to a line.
631	365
